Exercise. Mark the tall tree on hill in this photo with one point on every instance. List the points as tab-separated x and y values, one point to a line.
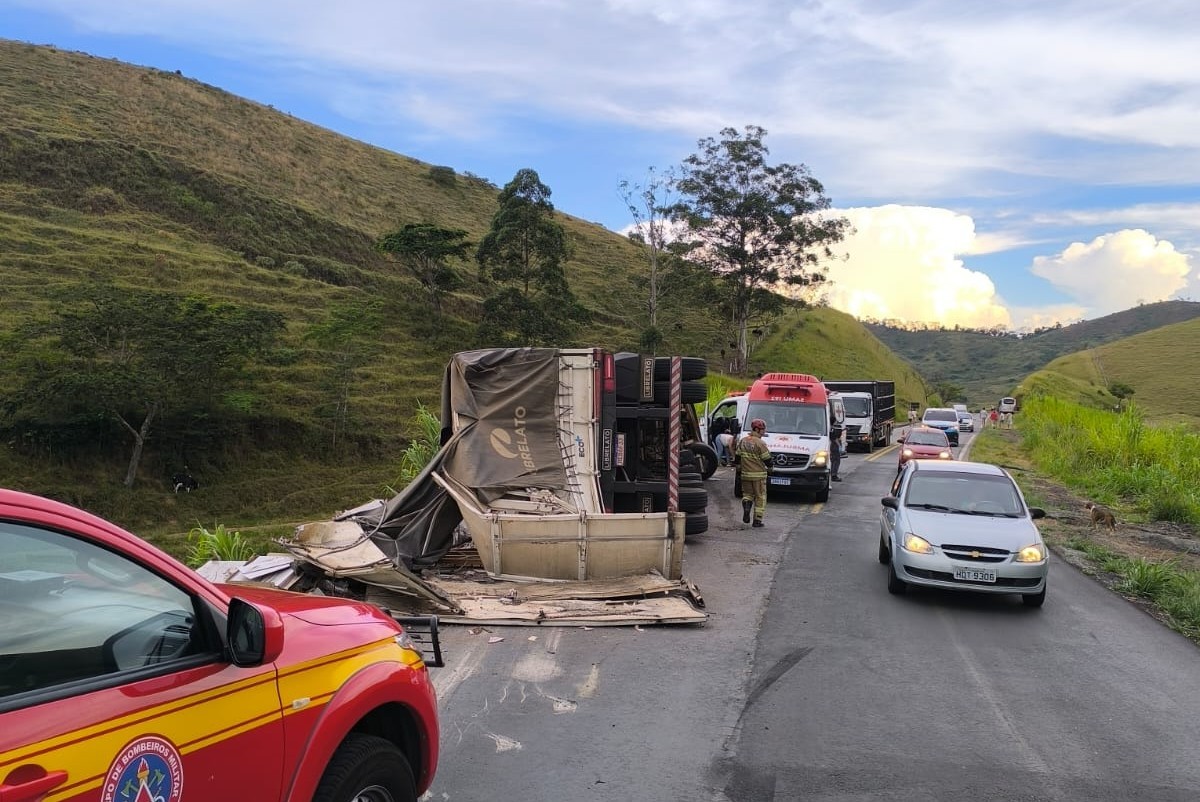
752	224
523	253
424	250
648	204
132	356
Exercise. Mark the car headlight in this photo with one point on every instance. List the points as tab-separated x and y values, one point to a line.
1033	553
944	455
907	453
820	458
917	544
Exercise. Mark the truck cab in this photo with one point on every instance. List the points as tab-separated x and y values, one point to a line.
860	412
796	409
870	411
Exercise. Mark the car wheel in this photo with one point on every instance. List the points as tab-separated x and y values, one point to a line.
884	556
895	583
1034	599
737	483
366	768
822	495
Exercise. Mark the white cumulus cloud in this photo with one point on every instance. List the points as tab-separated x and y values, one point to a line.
1116	271
902	263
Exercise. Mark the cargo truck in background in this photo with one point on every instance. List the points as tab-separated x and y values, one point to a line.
870	411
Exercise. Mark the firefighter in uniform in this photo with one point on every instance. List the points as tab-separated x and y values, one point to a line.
754	458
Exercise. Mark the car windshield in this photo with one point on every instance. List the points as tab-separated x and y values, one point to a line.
972	493
927	439
857	407
941	414
791	418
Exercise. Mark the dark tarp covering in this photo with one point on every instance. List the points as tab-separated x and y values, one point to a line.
500	433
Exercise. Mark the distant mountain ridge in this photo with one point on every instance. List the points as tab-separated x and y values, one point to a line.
989	366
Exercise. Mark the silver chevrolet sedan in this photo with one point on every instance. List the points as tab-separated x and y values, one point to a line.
962	526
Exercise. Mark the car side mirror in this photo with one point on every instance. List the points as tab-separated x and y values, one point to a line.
254	634
1036	512
891	502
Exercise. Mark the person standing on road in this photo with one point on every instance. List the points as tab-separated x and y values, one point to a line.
754	457
836	430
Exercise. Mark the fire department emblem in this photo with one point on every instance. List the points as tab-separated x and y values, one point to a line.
147	770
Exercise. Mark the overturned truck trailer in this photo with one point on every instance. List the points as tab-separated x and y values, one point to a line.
537	455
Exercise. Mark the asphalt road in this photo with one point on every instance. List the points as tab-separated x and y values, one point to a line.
810	681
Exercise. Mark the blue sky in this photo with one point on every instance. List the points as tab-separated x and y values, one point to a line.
1014	163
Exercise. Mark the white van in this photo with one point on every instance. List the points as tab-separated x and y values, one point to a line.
1007	404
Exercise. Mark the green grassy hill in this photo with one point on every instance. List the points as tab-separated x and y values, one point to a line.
1160	365
989	366
150	180
833	345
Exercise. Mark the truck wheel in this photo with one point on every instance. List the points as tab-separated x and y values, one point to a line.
691	499
691	367
690	392
871	444
707	457
823	494
696	523
366	768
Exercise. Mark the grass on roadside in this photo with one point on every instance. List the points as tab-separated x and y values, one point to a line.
1175	591
1116	458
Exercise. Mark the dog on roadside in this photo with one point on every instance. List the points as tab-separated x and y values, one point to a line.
1100	516
184	482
